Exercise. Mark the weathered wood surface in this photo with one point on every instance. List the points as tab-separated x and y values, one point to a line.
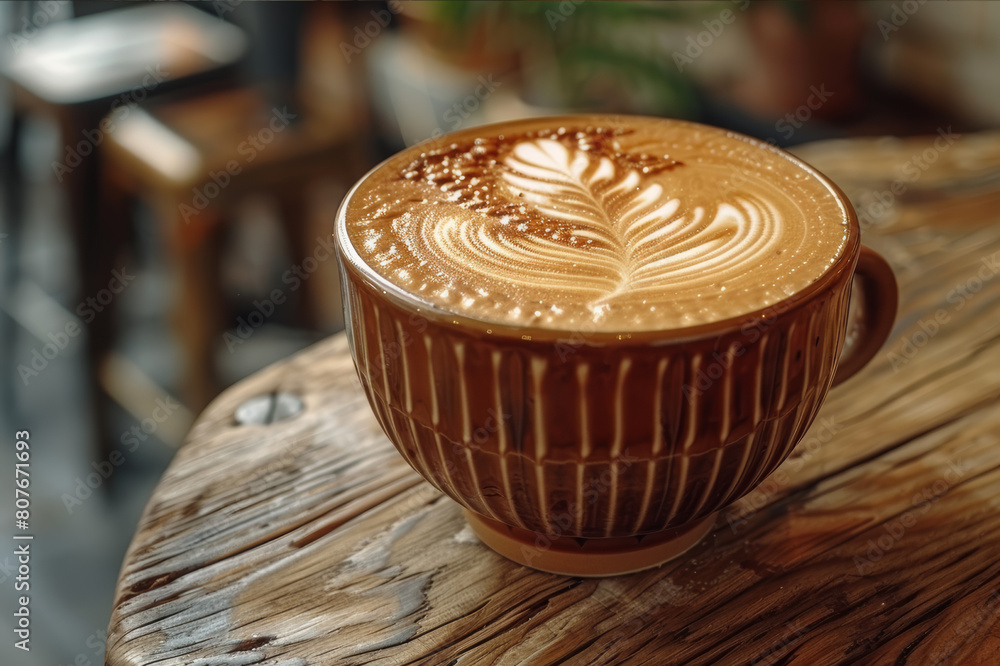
309	540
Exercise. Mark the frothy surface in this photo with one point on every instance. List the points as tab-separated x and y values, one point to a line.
599	223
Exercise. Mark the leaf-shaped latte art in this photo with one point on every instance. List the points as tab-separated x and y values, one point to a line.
619	233
562	228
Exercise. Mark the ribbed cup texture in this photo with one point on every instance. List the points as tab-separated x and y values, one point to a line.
576	439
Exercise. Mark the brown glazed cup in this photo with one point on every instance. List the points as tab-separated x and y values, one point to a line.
589	453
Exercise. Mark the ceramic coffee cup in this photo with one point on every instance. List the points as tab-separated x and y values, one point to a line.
595	452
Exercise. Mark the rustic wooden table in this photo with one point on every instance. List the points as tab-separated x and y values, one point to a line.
291	533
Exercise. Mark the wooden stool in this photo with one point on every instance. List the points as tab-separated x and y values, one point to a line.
192	160
75	72
289	531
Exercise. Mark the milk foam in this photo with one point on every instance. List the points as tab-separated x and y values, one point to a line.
596	223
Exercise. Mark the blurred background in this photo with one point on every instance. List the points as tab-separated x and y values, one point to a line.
171	173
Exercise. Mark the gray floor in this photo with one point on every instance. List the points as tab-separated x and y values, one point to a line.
78	547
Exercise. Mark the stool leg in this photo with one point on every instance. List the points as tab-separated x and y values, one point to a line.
13	194
99	241
114	208
198	304
294	210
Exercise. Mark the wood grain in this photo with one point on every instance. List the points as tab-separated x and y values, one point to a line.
310	541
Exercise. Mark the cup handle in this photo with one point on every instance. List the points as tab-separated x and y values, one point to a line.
875	316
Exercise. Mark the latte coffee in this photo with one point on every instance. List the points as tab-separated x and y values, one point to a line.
607	224
594	332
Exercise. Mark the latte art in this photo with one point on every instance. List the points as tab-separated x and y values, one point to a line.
630	225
